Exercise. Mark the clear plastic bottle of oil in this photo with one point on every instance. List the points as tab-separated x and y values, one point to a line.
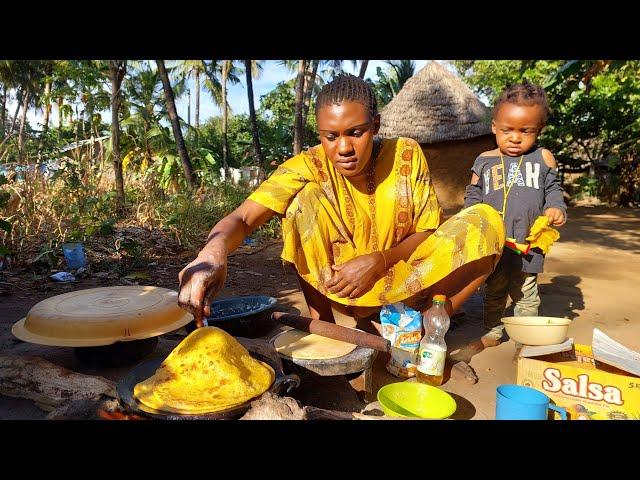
433	349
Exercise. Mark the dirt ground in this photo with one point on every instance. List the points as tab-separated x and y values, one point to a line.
591	276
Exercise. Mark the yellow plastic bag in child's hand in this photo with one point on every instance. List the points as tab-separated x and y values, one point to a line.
542	235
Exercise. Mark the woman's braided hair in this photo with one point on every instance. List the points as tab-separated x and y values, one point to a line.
347	88
523	94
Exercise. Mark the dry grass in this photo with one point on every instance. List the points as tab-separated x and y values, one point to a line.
46	213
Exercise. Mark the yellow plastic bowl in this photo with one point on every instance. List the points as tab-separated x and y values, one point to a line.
537	330
413	399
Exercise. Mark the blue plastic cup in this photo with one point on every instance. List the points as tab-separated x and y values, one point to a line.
515	402
74	255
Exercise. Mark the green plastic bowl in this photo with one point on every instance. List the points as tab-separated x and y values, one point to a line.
413	399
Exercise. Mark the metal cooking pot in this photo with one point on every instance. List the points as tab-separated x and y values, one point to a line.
246	316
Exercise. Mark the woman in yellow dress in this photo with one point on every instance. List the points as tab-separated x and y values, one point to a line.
361	223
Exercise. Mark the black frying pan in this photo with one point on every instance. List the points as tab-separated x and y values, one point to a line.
144	370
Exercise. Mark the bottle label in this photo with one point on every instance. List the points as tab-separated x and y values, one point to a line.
431	359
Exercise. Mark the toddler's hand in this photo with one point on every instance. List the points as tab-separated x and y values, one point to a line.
556	216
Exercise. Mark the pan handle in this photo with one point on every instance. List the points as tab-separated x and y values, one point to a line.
288	381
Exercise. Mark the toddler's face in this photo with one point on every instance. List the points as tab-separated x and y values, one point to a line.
517	127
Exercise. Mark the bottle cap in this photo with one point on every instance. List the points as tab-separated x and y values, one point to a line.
440	298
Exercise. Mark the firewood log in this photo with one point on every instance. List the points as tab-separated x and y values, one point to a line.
47	384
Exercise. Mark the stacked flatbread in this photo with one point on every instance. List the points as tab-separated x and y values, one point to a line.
297	344
207	372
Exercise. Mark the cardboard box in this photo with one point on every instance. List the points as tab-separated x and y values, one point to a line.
586	388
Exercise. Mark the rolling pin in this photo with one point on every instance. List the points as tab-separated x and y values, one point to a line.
331	330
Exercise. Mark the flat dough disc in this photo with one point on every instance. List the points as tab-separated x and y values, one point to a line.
303	345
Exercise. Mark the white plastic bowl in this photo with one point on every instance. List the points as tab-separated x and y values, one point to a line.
537	330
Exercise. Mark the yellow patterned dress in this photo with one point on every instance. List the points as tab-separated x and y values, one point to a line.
327	221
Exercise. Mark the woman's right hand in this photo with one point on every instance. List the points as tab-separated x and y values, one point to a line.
200	281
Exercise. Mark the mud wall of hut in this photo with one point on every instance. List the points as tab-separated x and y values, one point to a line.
450	165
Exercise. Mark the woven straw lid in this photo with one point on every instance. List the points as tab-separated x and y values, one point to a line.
102	316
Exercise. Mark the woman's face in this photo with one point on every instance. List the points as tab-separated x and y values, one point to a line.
346	131
516	127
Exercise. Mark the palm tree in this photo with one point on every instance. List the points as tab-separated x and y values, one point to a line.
23	119
25	77
48	80
313	81
211	83
309	83
298	125
3	114
29	77
9	82
195	69
332	68
64	71
197	74
93	96
249	67
391	80
226	66
117	70
228	76
175	124
147	145
363	68
144	96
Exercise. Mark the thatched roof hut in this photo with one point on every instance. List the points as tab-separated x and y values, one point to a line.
439	111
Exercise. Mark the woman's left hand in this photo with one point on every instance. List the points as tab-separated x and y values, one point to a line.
357	276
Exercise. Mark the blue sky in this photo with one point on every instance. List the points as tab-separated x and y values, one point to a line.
272	74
